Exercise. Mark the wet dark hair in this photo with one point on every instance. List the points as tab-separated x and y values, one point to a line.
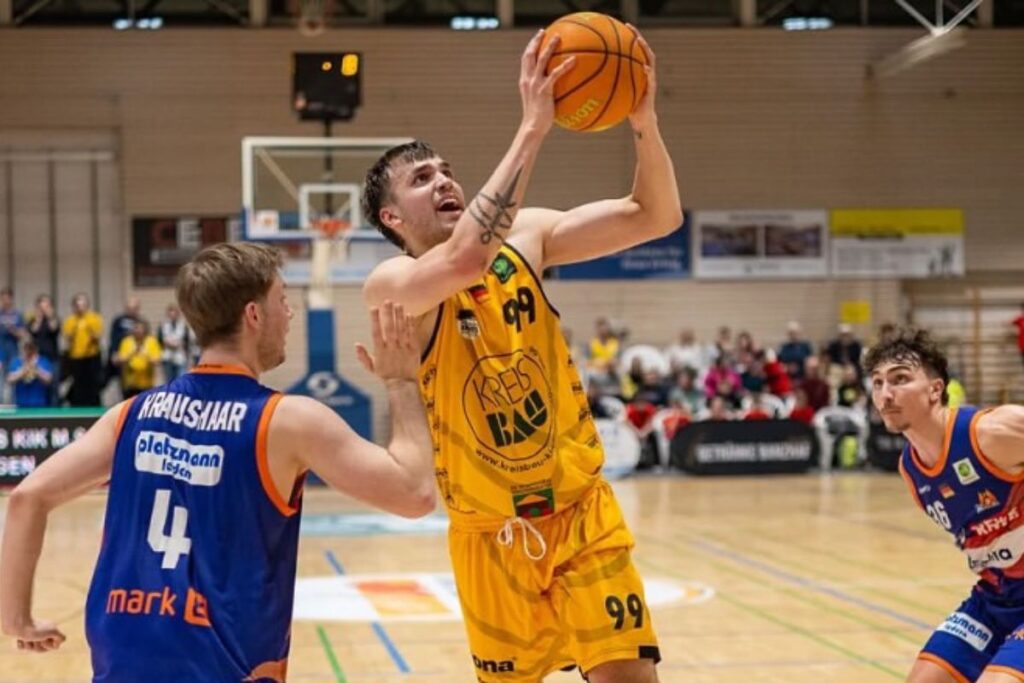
377	186
913	346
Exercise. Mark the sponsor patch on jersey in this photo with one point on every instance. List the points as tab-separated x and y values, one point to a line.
160	453
946	491
965	471
924	489
968	629
469	326
503	268
986	501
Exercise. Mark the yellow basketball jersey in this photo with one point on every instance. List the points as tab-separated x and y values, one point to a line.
512	430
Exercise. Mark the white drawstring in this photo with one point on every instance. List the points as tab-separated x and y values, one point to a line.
506	536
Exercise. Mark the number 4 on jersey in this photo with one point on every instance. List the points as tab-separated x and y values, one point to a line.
175	545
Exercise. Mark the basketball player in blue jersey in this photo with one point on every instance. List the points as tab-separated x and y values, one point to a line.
965	468
196	571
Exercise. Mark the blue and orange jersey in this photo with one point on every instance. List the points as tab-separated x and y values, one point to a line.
979	504
196	572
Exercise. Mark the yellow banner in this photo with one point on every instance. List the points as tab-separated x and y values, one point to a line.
896	222
855	311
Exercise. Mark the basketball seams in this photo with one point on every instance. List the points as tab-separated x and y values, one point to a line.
615	81
599	52
600	68
634	100
599	99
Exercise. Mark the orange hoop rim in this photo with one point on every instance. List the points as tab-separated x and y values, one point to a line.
330	227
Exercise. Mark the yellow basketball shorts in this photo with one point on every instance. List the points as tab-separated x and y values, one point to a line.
580	602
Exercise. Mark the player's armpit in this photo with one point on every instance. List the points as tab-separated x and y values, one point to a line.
1000	436
305	434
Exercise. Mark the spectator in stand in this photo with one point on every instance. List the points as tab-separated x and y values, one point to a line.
718	409
722	346
720	370
753	378
44	327
757	410
686	353
632	380
845	350
12	327
802	410
745	344
173	336
679	417
1018	323
138	358
30	377
120	328
850	392
603	350
597	407
82	330
814	387
729	392
685	393
886	331
795	351
777	378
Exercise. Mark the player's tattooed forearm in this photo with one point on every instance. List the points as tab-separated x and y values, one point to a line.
495	213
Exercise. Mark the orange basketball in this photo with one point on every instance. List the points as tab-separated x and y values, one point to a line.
608	80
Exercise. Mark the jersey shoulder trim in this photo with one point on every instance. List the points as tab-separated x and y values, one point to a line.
540	284
992	468
433	335
122	417
262	465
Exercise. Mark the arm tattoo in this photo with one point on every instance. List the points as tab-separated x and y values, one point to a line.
497	216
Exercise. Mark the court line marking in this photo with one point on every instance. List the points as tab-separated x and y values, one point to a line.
382	634
763	538
804	597
339	675
767	616
803	582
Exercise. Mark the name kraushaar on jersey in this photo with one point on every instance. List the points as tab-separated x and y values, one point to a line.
193	413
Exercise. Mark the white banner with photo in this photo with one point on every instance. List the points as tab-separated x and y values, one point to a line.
760	244
897	242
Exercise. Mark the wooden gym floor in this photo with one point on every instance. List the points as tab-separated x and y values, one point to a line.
815	578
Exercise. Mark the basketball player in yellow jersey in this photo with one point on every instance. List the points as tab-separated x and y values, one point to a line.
539	547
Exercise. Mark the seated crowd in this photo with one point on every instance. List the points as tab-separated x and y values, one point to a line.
731	378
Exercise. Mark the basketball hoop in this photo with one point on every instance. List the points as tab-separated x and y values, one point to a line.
331	228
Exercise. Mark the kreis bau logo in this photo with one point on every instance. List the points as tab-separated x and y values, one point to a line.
507	402
494	666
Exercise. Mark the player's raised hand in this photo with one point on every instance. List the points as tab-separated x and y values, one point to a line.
396	354
38	637
536	85
644	112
